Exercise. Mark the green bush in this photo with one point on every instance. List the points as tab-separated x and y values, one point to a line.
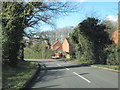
82	47
38	51
113	55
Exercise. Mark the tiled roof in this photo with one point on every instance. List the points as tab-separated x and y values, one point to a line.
56	48
54	43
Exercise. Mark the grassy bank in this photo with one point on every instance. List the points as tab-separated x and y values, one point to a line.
50	59
79	62
115	67
17	77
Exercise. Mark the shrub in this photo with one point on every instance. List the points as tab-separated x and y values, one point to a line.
113	55
38	51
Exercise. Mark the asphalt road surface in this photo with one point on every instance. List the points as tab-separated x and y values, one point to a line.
60	74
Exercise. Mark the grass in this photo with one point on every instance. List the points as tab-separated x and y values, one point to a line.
17	77
51	59
115	67
79	62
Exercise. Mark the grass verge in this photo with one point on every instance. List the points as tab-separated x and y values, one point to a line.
115	67
50	59
17	77
79	62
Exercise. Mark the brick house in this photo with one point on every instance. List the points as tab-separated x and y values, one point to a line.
57	48
67	48
62	49
115	36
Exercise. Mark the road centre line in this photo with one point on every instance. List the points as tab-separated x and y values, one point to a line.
67	68
58	64
82	77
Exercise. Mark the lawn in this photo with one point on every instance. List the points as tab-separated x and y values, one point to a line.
17	77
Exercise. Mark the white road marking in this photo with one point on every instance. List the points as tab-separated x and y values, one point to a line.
58	64
67	68
82	77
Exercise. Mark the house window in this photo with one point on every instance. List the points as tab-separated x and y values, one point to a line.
60	51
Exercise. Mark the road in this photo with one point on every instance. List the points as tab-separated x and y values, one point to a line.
60	74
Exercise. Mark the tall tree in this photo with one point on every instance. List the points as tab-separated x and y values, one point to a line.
96	33
12	27
16	16
90	39
110	27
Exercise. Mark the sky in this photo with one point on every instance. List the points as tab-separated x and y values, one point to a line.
100	10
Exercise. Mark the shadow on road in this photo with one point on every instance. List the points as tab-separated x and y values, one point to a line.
46	76
63	67
49	86
51	73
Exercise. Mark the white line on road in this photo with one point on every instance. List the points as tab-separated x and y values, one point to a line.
82	77
67	68
58	64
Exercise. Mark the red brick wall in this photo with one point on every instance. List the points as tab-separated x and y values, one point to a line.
57	44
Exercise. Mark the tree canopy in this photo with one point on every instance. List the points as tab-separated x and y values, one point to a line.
16	16
91	35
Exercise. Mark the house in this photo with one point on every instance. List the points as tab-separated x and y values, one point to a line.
62	49
67	48
115	36
57	49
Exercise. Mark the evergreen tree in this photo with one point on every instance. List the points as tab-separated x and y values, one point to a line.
91	39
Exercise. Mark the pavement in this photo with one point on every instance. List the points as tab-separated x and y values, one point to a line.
61	74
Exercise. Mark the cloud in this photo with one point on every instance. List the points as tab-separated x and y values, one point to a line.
112	18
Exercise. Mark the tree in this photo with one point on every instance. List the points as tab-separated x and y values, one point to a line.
58	34
39	50
16	16
110	27
91	39
82	46
96	33
12	28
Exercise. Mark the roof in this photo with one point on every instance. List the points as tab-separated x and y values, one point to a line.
67	40
56	48
54	43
